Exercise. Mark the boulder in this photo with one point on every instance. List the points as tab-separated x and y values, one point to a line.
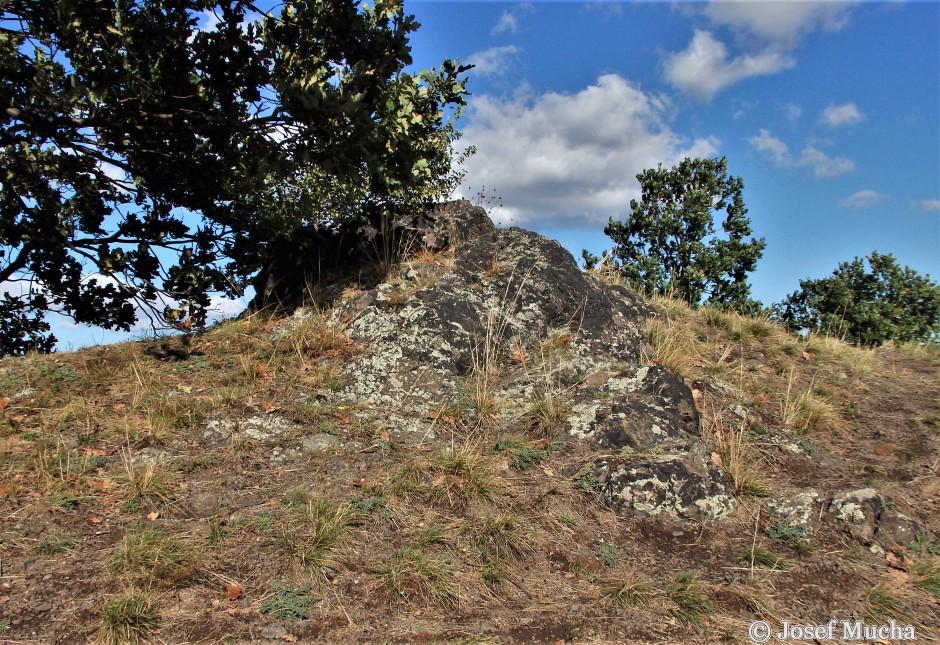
506	315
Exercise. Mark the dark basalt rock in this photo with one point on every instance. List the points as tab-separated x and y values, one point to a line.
502	293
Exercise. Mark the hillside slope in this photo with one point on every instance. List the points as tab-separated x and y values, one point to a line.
247	486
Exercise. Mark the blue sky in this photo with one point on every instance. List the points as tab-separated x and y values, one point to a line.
830	112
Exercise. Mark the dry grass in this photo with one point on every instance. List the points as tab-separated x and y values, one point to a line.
807	412
671	344
497	522
738	456
454	477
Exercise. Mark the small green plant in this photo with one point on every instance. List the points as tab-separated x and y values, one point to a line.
922	545
568	520
432	535
691	597
65	502
784	533
413	573
264	520
808	447
4	624
608	554
630	593
288	603
53	544
129	619
764	559
586	479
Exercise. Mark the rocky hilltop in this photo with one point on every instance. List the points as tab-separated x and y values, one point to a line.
448	432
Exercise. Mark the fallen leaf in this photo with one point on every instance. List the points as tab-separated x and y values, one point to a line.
807	356
518	355
100	485
4	490
716	459
884	449
437	481
153	516
383	436
95	452
94	520
185	389
564	339
290	638
697	396
233	592
4	599
431	415
3	403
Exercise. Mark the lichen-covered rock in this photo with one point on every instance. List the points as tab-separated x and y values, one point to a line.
869	517
505	317
800	510
682	485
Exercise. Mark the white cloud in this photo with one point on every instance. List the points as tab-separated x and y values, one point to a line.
208	20
823	165
571	159
704	68
779	153
777	150
784	23
794	112
929	205
862	199
766	31
494	60
509	20
837	115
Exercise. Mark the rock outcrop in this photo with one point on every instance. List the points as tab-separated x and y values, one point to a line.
502	326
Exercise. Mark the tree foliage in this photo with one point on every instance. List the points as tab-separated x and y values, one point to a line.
866	301
668	243
146	157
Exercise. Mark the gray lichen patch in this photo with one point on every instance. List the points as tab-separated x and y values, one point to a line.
258	428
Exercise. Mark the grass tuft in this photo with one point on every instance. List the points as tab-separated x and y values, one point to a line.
692	599
149	557
129	619
413	574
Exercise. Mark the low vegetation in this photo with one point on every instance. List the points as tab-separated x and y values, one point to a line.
134	468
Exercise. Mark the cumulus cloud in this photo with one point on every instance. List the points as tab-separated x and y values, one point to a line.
494	60
862	199
837	115
784	23
509	20
824	166
766	31
571	159
929	205
705	68
776	149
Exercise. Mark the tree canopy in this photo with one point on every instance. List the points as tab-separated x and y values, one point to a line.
144	156
866	301
668	243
